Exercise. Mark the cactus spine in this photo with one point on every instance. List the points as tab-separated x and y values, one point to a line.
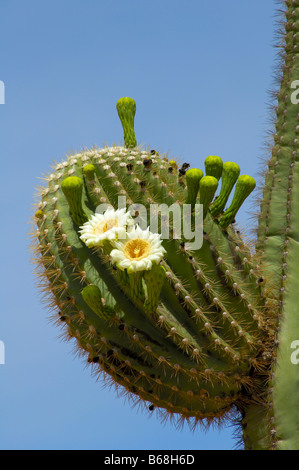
202	335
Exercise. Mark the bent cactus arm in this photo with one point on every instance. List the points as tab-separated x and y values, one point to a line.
192	333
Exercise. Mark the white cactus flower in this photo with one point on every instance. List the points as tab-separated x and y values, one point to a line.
139	251
111	225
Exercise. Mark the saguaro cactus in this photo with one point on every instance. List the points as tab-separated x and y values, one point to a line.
203	333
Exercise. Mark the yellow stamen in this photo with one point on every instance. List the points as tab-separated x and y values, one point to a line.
104	227
137	249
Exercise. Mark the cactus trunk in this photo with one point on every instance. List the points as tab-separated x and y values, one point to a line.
278	238
201	331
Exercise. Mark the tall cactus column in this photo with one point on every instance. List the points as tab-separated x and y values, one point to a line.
278	239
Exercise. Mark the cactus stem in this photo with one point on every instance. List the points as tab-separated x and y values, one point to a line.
207	188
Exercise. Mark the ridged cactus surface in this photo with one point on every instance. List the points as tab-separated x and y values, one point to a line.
191	331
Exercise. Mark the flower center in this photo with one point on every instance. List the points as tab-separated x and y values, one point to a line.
137	249
104	226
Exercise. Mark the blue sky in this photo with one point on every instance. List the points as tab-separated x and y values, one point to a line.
200	73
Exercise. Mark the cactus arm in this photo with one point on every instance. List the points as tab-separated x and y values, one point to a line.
189	332
278	241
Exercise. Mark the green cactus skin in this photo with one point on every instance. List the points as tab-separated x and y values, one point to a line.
203	336
188	340
278	239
